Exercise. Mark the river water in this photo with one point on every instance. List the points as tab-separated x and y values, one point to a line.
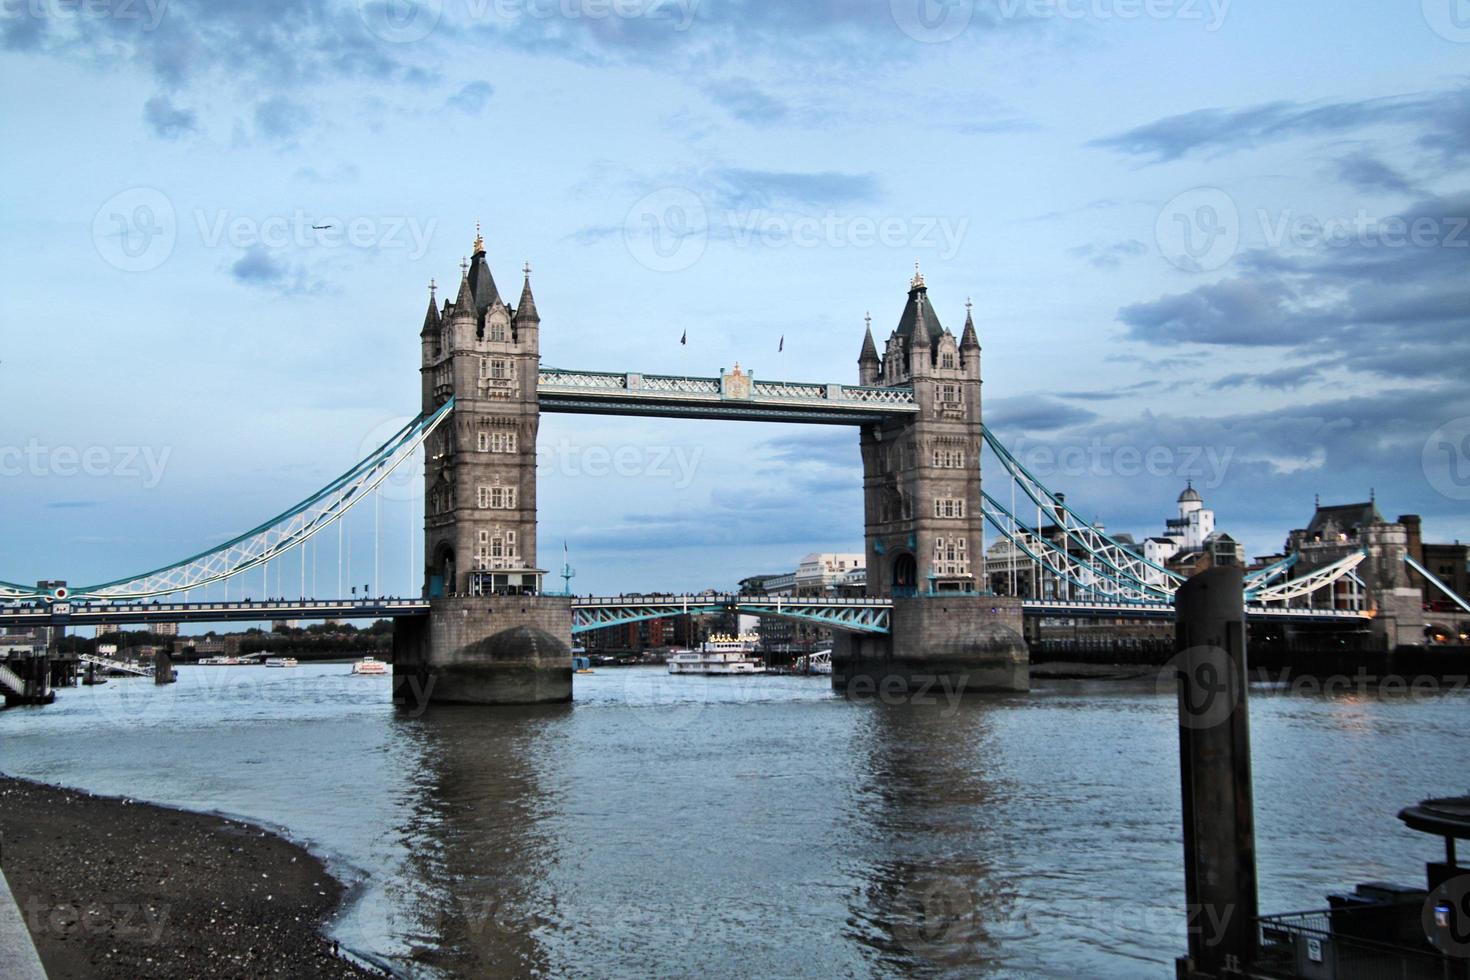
756	827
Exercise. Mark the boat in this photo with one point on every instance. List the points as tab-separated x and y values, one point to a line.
222	662
370	667
282	662
582	665
719	656
819	662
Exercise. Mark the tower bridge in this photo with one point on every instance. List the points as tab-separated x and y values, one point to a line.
487	631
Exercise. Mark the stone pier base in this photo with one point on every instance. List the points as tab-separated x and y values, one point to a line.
484	650
937	644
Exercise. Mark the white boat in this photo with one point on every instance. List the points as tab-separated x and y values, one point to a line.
819	662
222	662
719	656
281	662
370	667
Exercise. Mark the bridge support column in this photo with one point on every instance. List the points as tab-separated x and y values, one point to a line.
484	650
937	645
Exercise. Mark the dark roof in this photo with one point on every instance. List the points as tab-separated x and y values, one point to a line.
1345	516
910	313
482	284
1447	817
1190	494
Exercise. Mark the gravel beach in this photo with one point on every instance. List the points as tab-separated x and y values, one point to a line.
116	888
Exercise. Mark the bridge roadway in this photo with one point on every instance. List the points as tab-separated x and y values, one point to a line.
865	615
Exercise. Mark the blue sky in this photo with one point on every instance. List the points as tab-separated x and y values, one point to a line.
1227	237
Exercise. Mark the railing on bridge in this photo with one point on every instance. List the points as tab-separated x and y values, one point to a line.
855	614
735	396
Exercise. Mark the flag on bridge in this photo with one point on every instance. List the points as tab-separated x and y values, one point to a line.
684	338
782	345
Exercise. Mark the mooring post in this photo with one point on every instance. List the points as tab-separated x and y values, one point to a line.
163	667
1215	774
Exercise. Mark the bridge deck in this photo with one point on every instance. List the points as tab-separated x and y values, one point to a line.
833	610
740	398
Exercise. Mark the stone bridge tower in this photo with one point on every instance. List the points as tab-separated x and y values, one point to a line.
921	475
490	637
924	523
480	465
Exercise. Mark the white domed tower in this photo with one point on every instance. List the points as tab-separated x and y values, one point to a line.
1195	520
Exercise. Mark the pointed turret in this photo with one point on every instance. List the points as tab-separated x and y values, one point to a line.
526	308
482	283
869	365
920	337
431	318
969	339
464	303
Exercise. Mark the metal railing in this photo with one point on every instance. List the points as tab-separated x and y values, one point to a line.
1323	944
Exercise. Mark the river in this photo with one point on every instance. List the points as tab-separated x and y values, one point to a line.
756	827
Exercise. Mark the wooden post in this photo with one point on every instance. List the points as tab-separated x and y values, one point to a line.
1215	774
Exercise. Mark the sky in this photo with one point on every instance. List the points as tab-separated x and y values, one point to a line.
1215	241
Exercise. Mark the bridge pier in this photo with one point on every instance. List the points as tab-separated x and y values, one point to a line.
964	644
27	680
490	650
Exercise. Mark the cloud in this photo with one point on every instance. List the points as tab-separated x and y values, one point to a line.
1283	379
70	504
264	268
738	188
1034	412
1368	173
1108	256
280	119
167	120
471	98
1444	117
1394	300
746	102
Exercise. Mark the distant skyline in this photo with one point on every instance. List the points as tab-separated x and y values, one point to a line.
1205	240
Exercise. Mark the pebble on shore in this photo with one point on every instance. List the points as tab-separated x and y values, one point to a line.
116	888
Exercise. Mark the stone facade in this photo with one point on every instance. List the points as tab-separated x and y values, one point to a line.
480	465
921	475
484	650
959	644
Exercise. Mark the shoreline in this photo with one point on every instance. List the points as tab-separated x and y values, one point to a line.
113	887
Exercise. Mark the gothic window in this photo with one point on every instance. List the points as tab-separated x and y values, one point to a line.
497	331
948	507
946	360
483	442
946	395
482	497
